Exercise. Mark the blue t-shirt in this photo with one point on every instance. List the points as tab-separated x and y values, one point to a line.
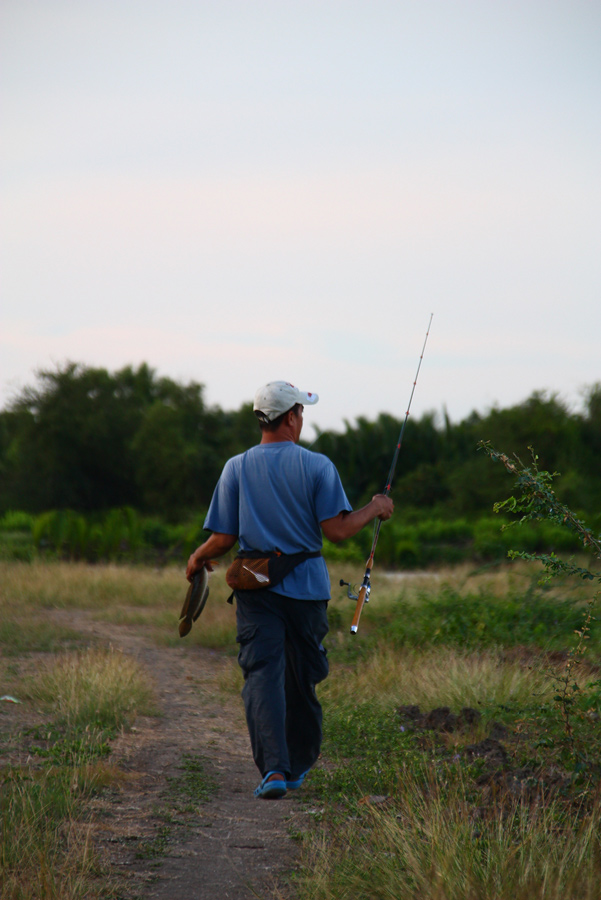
274	497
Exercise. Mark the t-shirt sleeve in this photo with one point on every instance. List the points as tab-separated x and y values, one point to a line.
330	498
223	514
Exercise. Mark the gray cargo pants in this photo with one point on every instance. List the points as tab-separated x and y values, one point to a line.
282	658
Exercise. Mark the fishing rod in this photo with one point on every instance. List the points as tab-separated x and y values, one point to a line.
364	591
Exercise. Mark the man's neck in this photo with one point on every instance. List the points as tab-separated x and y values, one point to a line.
289	428
277	437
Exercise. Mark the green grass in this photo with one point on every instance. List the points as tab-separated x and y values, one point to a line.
447	616
401	811
410	814
193	785
45	850
429	843
23	635
483	619
83	698
398	810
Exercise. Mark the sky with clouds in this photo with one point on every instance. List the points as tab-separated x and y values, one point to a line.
236	192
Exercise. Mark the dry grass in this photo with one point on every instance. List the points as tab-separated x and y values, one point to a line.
438	677
152	598
430	845
498	580
99	686
81	698
57	585
124	595
427	843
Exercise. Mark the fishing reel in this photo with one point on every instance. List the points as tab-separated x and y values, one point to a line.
351	595
349	592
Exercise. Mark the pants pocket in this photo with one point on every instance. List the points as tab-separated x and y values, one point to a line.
322	665
245	637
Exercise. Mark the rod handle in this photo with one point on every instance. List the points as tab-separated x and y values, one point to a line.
361	599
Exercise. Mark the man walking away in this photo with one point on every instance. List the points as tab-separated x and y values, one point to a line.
277	500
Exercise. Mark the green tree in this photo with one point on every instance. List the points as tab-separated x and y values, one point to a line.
69	440
85	439
89	440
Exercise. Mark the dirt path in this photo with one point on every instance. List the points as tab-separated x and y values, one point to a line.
238	847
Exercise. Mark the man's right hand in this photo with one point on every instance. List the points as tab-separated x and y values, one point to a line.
216	545
384	506
348	524
195	565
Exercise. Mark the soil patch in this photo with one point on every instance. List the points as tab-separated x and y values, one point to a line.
501	780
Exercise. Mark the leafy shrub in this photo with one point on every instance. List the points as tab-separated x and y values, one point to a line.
15	520
483	619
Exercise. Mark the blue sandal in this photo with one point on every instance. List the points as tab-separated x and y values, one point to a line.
294	785
271	790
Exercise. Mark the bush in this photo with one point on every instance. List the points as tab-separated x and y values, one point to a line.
484	620
14	520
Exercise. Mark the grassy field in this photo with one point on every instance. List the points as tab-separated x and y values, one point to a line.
53	766
462	752
74	698
462	744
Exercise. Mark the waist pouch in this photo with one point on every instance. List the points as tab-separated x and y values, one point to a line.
254	569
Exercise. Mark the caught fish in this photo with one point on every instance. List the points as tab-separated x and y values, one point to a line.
194	603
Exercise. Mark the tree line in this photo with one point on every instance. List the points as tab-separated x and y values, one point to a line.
89	440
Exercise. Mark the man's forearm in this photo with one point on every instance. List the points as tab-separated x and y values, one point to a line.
348	524
215	545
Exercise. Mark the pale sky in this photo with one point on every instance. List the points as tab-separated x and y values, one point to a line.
237	192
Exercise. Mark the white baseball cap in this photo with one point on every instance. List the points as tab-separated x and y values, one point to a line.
278	397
